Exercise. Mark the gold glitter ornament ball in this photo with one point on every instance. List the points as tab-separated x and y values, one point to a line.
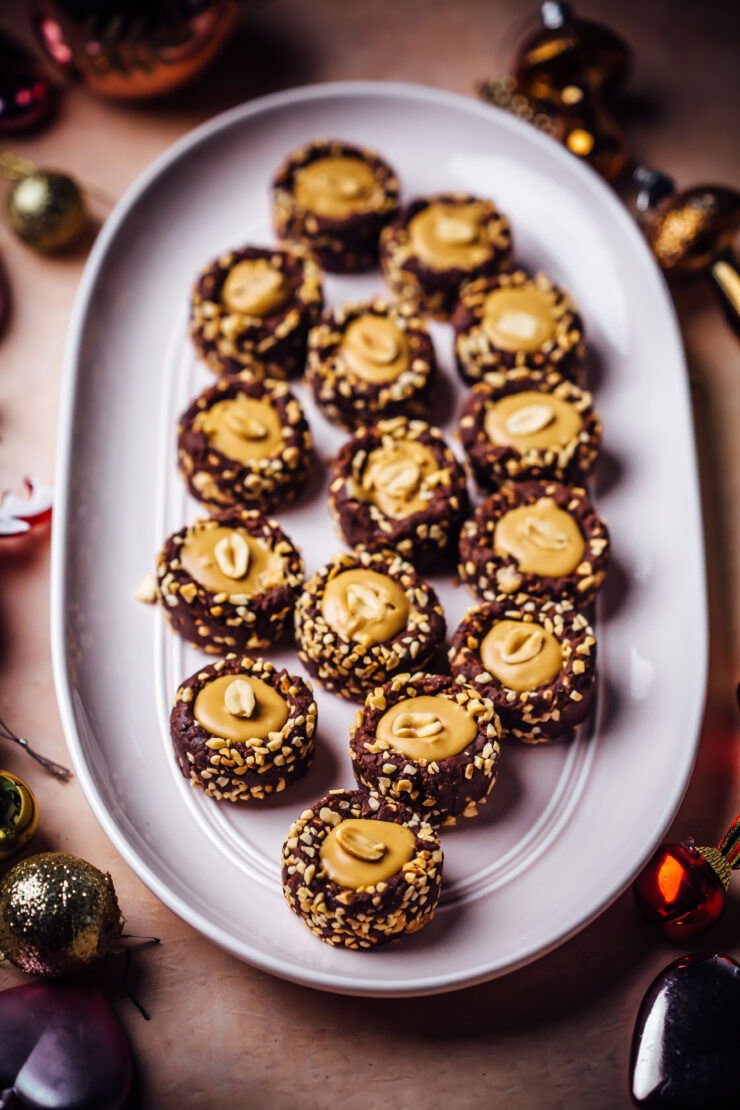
46	210
58	913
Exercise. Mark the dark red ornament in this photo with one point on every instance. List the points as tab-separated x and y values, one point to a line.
681	891
684	1047
27	98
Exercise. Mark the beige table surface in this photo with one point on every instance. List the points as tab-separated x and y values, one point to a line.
557	1033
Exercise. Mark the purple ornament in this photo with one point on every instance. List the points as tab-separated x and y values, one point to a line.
684	1048
61	1048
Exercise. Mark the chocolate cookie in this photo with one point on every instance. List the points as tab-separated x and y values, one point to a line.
365	617
512	320
369	361
335	198
397	485
535	659
523	425
540	538
438	243
252	309
245	444
360	870
229	582
242	729
428	742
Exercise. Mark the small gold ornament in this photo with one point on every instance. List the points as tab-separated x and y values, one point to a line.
58	913
46	210
19	814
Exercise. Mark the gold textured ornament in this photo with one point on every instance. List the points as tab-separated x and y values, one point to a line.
46	210
19	814
693	231
58	913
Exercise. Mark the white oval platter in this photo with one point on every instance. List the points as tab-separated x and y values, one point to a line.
568	824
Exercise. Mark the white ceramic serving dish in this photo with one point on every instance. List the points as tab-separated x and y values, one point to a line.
568	825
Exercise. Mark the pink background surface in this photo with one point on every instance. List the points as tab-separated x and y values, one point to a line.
557	1033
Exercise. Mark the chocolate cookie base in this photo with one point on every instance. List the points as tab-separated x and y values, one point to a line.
347	668
272	346
493	463
429	291
365	917
235	770
347	245
264	484
440	790
220	623
548	711
425	537
488	573
350	401
477	357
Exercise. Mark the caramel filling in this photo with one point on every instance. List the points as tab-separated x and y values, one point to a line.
446	236
542	538
229	561
241	428
239	707
374	349
400	479
521	654
255	288
427	728
531	420
335	187
365	606
358	852
518	319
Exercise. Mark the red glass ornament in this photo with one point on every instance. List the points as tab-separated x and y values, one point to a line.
679	893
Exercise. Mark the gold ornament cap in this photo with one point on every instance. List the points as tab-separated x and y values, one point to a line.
19	814
718	863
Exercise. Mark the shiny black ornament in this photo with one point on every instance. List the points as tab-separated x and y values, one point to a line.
684	1047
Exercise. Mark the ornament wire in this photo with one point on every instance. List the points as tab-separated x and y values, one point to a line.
127	968
56	769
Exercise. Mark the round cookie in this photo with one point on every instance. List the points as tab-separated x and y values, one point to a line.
397	485
541	538
252	308
369	361
360	870
244	443
242	729
439	242
229	582
428	742
535	659
335	198
365	617
512	320
522	425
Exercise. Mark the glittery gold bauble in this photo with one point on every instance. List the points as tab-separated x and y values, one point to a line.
19	814
46	210
57	914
